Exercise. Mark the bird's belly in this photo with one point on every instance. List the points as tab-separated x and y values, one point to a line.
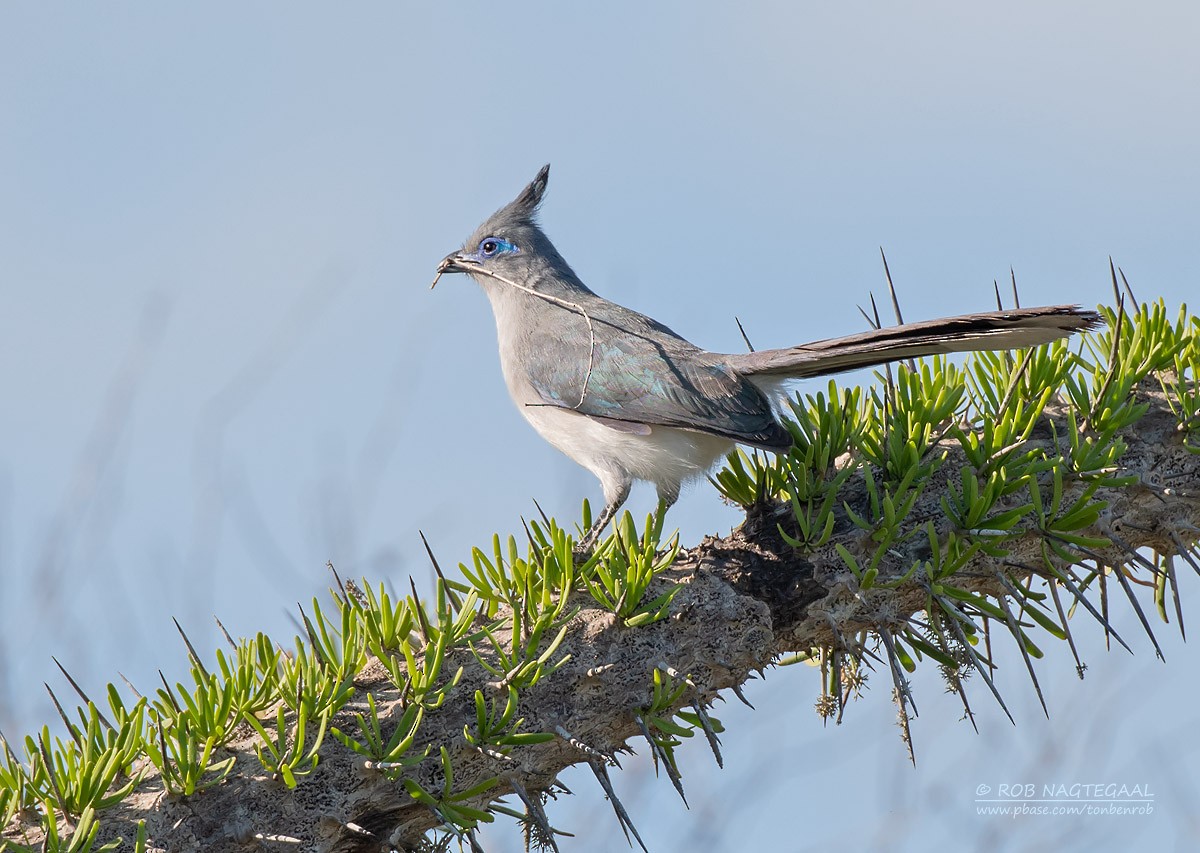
665	456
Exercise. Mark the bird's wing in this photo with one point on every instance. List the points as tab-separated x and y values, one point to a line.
645	377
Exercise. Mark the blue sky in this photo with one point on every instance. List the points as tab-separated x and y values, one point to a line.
222	365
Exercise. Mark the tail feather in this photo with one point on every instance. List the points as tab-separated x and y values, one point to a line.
991	330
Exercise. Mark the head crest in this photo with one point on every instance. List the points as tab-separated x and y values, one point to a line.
529	199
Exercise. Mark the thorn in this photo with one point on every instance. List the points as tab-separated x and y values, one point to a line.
891	289
962	694
438	570
835	666
1114	356
580	745
542	513
713	741
1138	609
129	684
170	696
1062	618
308	628
901	682
75	734
1016	296
1137	558
996	287
962	639
903	722
536	814
1169	562
352	827
1015	630
1112	269
51	771
677	675
657	752
1185	552
737	691
1061	576
1014	383
191	651
622	816
337	579
1101	618
749	345
490	753
421	618
228	638
81	694
1128	289
1124	581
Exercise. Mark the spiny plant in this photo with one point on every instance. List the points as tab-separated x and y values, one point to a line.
930	515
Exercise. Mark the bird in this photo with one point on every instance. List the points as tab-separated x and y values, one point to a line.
630	400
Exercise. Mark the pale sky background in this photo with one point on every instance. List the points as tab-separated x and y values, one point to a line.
221	364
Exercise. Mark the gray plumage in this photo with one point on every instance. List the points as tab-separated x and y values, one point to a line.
629	399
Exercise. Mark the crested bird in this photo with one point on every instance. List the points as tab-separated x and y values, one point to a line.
629	399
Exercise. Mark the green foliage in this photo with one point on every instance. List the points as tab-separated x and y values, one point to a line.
517	658
1022	478
529	585
250	675
417	670
84	772
862	461
342	648
185	761
289	755
914	410
306	681
665	726
209	711
390	757
82	837
452	806
387	624
495	726
628	566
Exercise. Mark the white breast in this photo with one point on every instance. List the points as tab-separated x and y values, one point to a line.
666	456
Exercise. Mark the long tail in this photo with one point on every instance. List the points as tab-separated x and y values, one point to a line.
991	330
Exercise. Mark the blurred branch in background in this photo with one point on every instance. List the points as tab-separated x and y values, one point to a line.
80	529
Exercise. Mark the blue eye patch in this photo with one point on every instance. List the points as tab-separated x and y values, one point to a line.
489	247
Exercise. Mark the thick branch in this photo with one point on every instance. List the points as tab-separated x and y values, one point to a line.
746	599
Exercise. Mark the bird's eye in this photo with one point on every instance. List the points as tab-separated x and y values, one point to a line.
489	247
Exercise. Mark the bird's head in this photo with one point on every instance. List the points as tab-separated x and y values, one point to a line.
509	245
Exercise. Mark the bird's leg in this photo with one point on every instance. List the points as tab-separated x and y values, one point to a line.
615	494
668	493
588	542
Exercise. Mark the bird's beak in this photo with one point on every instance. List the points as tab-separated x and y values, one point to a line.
454	262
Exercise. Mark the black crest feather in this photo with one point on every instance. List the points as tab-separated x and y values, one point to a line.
529	199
